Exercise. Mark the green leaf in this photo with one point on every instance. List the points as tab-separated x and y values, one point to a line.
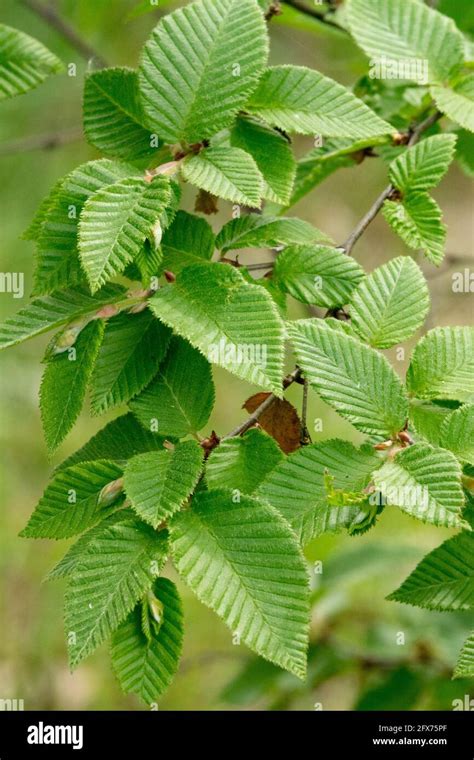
189	240
242	463
180	399
465	151
465	663
64	384
114	572
114	121
457	102
427	420
24	62
119	440
71	501
131	352
444	579
388	29
425	482
296	487
391	304
354	379
424	165
272	154
418	221
457	433
257	231
228	173
304	101
398	688
200	66
442	364
34	228
144	666
234	323
242	561
317	274
159	482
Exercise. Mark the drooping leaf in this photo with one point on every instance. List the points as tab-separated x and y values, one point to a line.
159	482
71	504
465	663
457	433
317	274
228	173
391	304
242	463
180	399
354	379
457	102
296	487
418	221
272	154
115	223
24	62
64	384
442	364
304	101
388	29
242	561
131	351
444	579
424	165
146	666
114	572
189	240
200	66
425	482
234	323
114	121
280	421
258	231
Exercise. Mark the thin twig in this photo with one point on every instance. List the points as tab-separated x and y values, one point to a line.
305	436
41	142
324	18
53	19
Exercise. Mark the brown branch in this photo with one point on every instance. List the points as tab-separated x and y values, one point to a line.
54	20
324	18
41	142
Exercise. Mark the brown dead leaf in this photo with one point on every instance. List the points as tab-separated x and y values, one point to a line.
281	421
206	203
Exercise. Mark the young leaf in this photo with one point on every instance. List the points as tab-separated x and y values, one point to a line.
258	231
304	101
234	323
114	121
159	482
388	29
180	399
115	223
242	463
242	561
424	482
317	274
144	666
24	62
189	240
391	304
280	421
64	384
457	433
296	487
228	173
200	66
132	349
418	221
457	102
272	154
442	365
52	311
444	579
465	663
71	504
424	165
116	569
354	379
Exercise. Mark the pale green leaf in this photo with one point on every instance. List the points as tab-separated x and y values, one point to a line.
233	323
418	221
427	419
24	62
391	304
357	381
457	102
424	165
258	231
465	663
159	482
228	173
442	364
189	240
242	463
457	433
242	561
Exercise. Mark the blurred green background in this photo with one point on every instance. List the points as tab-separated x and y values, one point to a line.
356	662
